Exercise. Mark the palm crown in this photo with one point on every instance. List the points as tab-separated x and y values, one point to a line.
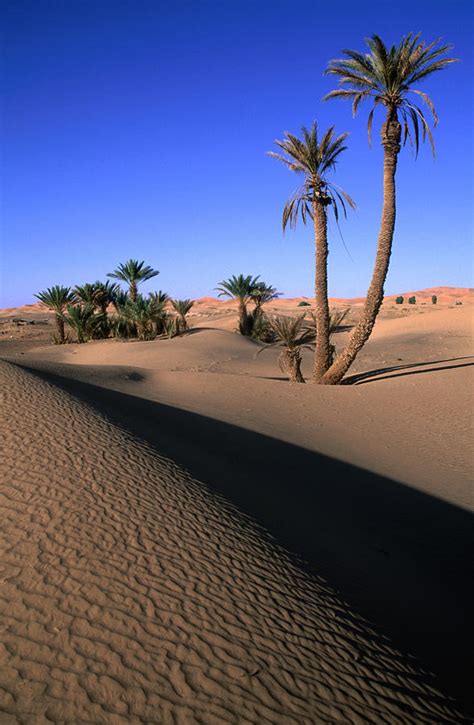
263	293
134	273
56	298
386	76
238	287
314	159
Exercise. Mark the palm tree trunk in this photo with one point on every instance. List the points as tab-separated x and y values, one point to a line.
322	351
243	322
132	292
391	133
290	362
60	329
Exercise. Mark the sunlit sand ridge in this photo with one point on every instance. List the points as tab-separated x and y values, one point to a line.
132	593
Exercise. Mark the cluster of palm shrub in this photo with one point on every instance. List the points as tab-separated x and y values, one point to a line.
295	334
246	290
86	309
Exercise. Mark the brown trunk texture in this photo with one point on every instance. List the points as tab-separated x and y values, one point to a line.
60	329
290	363
391	142
322	350
133	291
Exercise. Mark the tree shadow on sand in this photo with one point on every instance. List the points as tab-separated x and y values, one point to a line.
372	375
401	558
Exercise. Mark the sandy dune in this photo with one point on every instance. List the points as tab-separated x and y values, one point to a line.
133	593
188	538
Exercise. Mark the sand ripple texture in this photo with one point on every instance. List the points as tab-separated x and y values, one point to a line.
131	593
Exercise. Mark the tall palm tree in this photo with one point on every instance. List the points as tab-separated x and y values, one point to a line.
240	288
57	298
182	307
386	77
313	159
134	273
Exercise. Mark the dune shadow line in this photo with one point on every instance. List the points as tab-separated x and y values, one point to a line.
399	556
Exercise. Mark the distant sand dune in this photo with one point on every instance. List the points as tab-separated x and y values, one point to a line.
131	593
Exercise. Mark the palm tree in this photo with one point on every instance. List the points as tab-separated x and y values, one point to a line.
159	297
134	273
240	288
141	313
182	307
105	293
386	77
84	320
86	293
313	159
262	294
56	298
158	301
293	335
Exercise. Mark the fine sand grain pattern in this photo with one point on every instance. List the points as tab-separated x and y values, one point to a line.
132	593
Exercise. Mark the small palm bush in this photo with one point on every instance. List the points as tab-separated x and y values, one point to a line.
85	322
434	299
293	334
57	298
140	314
182	307
412	300
399	300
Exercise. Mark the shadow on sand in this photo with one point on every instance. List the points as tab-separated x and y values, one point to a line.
380	373
400	557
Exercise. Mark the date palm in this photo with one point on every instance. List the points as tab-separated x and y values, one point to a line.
86	293
313	159
182	307
84	320
240	288
293	334
57	298
262	294
133	273
105	293
141	315
388	78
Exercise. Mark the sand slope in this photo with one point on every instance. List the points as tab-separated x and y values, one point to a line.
131	593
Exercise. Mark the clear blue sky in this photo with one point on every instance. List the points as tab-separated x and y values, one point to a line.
139	129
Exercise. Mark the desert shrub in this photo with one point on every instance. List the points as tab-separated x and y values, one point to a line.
122	328
262	329
85	322
399	300
182	308
303	303
171	326
412	300
458	302
434	299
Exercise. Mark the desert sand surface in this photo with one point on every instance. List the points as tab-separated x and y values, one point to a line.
189	538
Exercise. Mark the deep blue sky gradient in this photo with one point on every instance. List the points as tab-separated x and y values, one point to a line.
139	129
